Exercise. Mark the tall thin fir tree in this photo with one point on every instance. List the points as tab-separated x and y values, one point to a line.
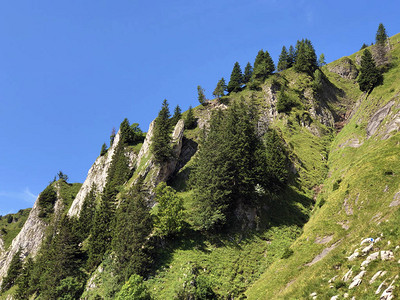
369	76
381	46
291	56
381	35
236	81
248	71
321	60
161	140
283	62
201	95
190	121
177	116
219	89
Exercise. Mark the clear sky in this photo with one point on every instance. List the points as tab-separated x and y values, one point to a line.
70	71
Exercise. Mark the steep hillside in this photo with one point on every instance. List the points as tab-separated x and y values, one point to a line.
320	176
358	200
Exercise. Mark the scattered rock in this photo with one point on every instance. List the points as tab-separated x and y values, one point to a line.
345	295
345	68
377	118
357	280
324	240
335	297
388	293
367	249
323	253
348	275
344	224
354	255
386	189
397	248
333	279
387	255
313	295
380	287
376	275
367	240
370	258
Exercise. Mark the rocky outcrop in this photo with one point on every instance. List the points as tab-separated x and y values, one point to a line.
345	68
97	176
153	172
377	118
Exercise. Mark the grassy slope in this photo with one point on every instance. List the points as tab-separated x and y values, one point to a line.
366	179
8	231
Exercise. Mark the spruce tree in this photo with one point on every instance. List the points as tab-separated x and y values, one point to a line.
291	56
263	67
201	96
190	121
381	35
364	45
236	81
24	290
132	229
176	117
103	150
220	88
321	60
112	136
283	62
248	71
306	59
161	140
14	270
369	74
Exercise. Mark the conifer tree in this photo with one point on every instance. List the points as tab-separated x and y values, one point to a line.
176	117
283	62
291	56
364	45
201	96
248	71
277	158
236	81
321	60
263	67
220	88
24	290
112	136
306	59
103	150
381	35
369	74
132	229
161	140
14	270
190	121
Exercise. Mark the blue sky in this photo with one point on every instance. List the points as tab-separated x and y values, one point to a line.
70	71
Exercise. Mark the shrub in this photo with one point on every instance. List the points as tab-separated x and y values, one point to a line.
46	201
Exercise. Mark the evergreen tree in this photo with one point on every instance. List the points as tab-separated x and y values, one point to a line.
306	59
112	136
132	229
190	121
83	225
263	67
321	60
369	74
248	71
283	62
277	158
291	56
220	88
46	201
14	270
228	167
381	36
130	134
161	140
24	290
103	150
176	117
169	216
364	45
201	96
236	81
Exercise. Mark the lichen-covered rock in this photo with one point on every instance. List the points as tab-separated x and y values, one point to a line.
97	175
345	68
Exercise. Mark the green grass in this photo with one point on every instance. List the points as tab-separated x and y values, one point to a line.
8	231
68	192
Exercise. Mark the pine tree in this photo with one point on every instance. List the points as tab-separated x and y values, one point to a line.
306	59
283	62
364	45
24	290
248	71
161	140
277	158
103	150
381	35
263	67
236	81
132	229
291	56
201	96
190	121
369	74
176	117
220	88
321	60
14	270
112	136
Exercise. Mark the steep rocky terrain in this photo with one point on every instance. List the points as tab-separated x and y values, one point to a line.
332	232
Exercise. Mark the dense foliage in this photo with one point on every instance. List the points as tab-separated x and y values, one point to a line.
236	80
14	271
161	141
46	201
369	74
190	120
263	67
306	59
283	62
176	117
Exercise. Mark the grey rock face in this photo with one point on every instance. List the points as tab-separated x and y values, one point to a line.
377	118
345	69
97	175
